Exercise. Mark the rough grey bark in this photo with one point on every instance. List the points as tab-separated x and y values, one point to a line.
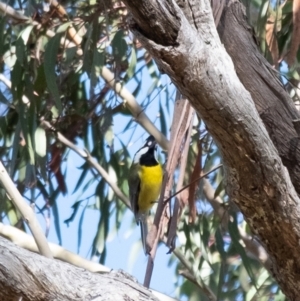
256	179
274	105
28	276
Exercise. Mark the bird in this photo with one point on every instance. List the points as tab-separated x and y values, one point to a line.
144	181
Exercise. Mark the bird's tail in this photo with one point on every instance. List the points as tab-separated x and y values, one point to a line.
144	233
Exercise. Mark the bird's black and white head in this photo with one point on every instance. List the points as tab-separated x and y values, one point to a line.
146	155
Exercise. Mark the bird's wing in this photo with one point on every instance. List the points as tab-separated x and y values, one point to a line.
134	188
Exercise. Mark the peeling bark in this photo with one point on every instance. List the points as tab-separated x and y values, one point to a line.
256	179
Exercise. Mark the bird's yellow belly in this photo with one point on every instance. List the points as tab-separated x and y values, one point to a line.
151	180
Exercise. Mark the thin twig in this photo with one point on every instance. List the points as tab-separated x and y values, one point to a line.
199	178
12	13
86	156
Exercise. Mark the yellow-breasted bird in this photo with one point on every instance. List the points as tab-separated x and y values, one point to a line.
145	179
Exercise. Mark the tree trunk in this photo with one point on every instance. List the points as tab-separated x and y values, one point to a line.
28	276
272	102
256	179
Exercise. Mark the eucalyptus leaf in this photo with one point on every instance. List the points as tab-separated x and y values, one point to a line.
49	69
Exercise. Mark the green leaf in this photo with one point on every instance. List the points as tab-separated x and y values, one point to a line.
75	208
30	176
220	243
10	57
15	150
25	34
62	28
87	57
287	7
204	238
40	141
21	44
280	296
152	70
99	246
132	64
40	83
69	55
31	122
55	211
22	167
27	123
163	122
4	100
17	83
3	46
49	68
85	168
219	189
119	46
21	51
80	227
221	281
42	164
261	279
98	63
235	236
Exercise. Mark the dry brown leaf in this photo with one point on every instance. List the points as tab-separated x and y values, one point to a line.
194	184
271	40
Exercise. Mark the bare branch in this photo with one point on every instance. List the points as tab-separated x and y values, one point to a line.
23	276
26	212
12	13
26	241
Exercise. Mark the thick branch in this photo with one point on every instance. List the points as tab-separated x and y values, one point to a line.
26	241
273	103
28	276
148	22
26	212
257	181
